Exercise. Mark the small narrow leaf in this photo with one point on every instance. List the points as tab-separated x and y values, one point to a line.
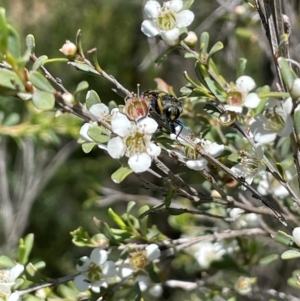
84	67
121	174
81	87
268	259
290	254
241	67
39	62
117	219
30	43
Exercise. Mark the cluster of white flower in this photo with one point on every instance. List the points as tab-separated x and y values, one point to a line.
189	154
206	252
7	281
166	20
96	271
129	138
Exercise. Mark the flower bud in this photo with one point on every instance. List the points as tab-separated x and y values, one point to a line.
296	236
191	39
69	49
295	89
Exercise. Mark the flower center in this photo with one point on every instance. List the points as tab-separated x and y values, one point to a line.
166	19
249	163
139	260
94	273
276	120
135	144
235	98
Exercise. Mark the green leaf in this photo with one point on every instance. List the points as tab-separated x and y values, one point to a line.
164	54
88	146
92	98
297	122
13	42
3	31
81	238
84	67
130	205
25	247
6	262
288	75
96	133
82	86
10	83
12	119
121	174
168	198
34	275
212	110
242	62
204	41
43	100
268	259
40	82
30	43
290	254
217	47
283	238
39	62
117	219
143	221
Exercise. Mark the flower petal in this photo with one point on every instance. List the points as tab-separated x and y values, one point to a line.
109	269
121	125
116	148
184	18
99	109
81	283
152	9
196	164
139	162
84	132
153	150
149	28
153	252
174	5
245	83
98	256
170	35
147	125
252	100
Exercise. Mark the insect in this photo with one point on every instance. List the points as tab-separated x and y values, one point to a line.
166	106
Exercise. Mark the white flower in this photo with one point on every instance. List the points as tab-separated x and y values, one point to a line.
166	20
276	120
7	281
206	252
192	158
145	284
296	236
242	219
250	164
239	96
133	141
94	271
269	185
138	260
